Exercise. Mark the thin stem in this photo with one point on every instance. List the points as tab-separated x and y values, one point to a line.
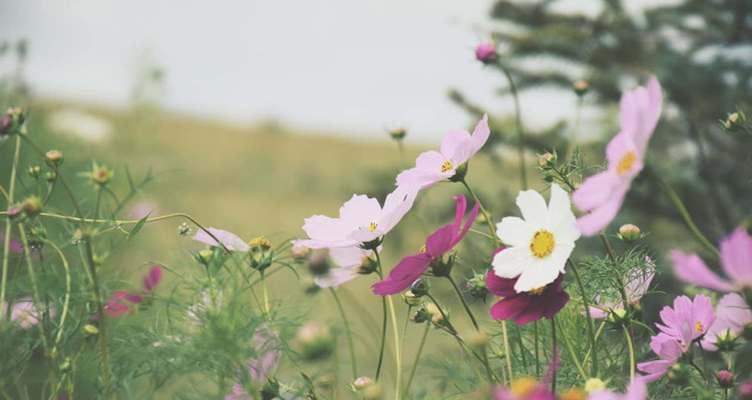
383	321
630	347
537	356
97	295
98	202
395	330
586	306
417	359
507	354
265	293
464	303
6	238
612	257
553	354
687	217
485	213
572	355
66	299
34	284
520	127
348	332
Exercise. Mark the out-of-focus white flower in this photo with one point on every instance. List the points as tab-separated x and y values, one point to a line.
80	124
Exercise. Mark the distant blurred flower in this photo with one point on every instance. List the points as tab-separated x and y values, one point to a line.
398	133
351	262
456	149
361	220
230	240
732	316
80	124
142	208
540	243
736	261
636	285
267	348
637	390
120	303
485	52
15	246
581	87
315	340
524	388
438	243
745	390
601	195
525	307
152	279
23	312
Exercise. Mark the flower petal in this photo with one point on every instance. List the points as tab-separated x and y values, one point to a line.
736	257
595	190
537	275
360	210
599	218
403	275
228	239
690	268
533	207
498	286
515	231
511	262
336	276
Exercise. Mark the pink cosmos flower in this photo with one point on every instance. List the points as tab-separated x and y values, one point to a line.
437	244
230	240
485	52
525	307
601	195
267	346
732	315
152	279
736	260
681	325
23	312
456	149
637	390
636	285
349	261
361	220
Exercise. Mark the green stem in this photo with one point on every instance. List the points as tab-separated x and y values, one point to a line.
586	306
573	356
485	213
537	356
630	347
612	256
687	217
66	299
6	238
553	354
417	359
507	354
464	303
34	286
383	321
97	295
520	127
348	332
387	301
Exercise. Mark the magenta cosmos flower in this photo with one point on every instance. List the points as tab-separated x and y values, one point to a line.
525	307
230	240
732	316
688	321
437	244
736	260
635	286
361	220
456	149
267	348
121	301
637	390
601	195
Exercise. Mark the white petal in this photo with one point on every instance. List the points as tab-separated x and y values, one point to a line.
560	216
510	262
562	251
537	275
514	231
533	207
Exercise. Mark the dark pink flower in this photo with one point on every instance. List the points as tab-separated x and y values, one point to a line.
437	244
153	278
120	303
485	52
15	246
736	261
525	307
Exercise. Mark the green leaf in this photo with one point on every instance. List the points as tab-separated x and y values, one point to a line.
137	228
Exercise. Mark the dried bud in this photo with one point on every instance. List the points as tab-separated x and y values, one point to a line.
32	206
594	384
581	87
629	232
260	243
184	229
485	52
725	378
398	133
546	159
411	299
54	157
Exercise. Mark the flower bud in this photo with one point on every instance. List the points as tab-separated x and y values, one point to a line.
14	212
546	159
411	299
100	175
398	133
594	384
315	340
725	378
726	340
420	287
32	206
476	286
204	256
66	365
260	243
34	171
745	390
50	176
184	229
617	315
368	266
90	330
735	122
373	392
54	157
678	374
581	87
362	383
485	52
299	252
629	232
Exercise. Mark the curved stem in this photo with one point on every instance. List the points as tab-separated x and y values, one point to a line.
687	217
6	238
464	303
486	215
520	127
397	350
630	347
383	320
66	299
417	359
586	306
348	331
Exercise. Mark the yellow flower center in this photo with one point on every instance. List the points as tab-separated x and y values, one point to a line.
372	227
522	387
542	244
447	166
699	328
537	291
626	163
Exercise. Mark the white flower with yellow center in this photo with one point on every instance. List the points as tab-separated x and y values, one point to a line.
539	243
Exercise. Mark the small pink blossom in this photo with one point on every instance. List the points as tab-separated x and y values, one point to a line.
637	390
121	303
736	261
349	261
15	246
152	279
230	240
636	285
732	315
485	52
456	149
267	348
602	195
437	244
23	312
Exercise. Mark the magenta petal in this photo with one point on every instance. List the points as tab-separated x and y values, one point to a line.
441	241
509	308
499	286
691	269
533	312
736	256
403	275
153	278
554	303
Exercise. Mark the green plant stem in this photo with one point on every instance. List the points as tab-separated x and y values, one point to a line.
612	256
484	212
395	329
417	359
507	354
8	224
520	127
630	347
573	356
464	303
97	297
586	306
554	368
66	298
348	332
537	356
34	286
265	293
687	217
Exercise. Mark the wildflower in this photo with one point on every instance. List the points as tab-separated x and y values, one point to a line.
581	87
100	174
54	157
540	244
448	163
637	390
152	279
629	232
23	312
745	390
524	388
361	220
525	307
688	321
120	303
260	242
437	244
601	195
32	206
732	316
267	348
351	262
725	378
736	258
485	52
637	284
230	240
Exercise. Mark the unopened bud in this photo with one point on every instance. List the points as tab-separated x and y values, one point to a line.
546	159
735	122
476	286
420	287
14	212
617	315
32	206
581	87
398	133
629	232
54	157
362	383
299	252
725	340
411	299
184	229
260	243
725	378
101	175
50	176
90	330
485	52
34	171
678	374
204	256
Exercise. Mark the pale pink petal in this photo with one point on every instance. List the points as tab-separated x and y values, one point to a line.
640	111
396	205
352	256
732	315
324	232
599	218
426	172
637	390
691	269
653	370
457	146
336	276
480	134
597	313
228	239
360	210
638	281
621	146
595	190
736	257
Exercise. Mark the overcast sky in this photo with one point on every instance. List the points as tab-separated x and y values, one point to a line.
353	67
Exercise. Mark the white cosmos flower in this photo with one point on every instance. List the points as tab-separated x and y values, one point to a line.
540	243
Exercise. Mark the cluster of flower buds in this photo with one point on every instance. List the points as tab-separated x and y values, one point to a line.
737	122
260	250
11	122
476	286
